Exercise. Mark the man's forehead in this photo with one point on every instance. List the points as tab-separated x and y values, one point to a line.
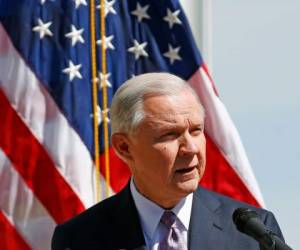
173	119
165	110
171	116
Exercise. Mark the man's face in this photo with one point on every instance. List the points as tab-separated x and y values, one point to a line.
168	149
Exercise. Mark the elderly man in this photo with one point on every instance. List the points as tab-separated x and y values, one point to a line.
158	130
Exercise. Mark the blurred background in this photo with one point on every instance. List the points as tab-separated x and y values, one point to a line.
253	51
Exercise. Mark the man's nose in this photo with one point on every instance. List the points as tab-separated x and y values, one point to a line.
188	145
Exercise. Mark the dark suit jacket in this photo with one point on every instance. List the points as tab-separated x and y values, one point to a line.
114	224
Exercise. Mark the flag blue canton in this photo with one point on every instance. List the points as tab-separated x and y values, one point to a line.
142	36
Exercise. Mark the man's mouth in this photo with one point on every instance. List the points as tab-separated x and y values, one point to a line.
185	170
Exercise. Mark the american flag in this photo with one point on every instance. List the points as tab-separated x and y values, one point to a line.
47	170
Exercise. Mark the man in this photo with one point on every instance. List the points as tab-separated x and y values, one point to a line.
158	130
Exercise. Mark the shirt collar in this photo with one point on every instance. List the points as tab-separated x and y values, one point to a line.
150	213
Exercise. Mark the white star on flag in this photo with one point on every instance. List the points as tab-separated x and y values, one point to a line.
79	2
101	114
73	71
43	1
108	7
172	54
107	42
104	80
138	49
141	12
75	35
172	17
43	29
105	115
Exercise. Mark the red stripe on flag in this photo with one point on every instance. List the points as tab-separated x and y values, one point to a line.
220	177
119	171
204	67
35	166
10	239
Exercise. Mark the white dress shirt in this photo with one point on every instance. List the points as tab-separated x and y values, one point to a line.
150	214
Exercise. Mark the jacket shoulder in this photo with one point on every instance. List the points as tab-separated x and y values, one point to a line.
93	225
215	199
95	214
225	207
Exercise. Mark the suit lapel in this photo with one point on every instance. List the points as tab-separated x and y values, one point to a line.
129	233
205	230
206	227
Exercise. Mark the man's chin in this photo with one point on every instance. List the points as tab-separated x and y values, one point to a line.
189	186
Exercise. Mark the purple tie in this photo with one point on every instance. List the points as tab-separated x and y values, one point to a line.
174	238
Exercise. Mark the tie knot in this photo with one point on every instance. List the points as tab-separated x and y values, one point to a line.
168	219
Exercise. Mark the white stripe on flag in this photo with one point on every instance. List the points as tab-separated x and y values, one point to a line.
222	131
22	209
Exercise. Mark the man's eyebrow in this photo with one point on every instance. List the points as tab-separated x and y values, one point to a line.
171	126
162	119
163	127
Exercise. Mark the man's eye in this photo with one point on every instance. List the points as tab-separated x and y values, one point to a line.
196	131
169	134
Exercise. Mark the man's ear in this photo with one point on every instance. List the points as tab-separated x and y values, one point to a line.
121	144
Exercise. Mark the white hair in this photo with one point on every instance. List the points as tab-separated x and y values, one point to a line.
127	112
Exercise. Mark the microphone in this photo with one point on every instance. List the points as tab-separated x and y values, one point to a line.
248	222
